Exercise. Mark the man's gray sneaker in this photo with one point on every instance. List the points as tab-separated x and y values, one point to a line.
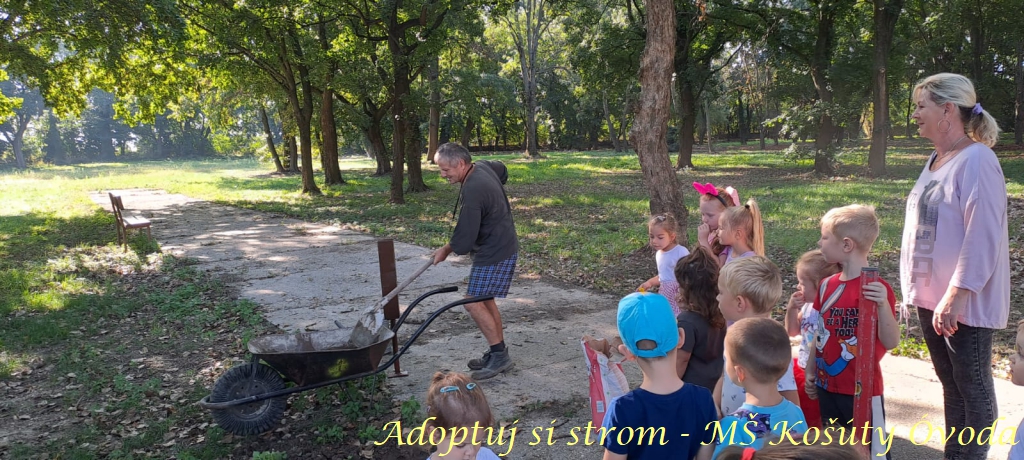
499	362
479	363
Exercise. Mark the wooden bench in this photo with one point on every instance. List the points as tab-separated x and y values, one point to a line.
125	223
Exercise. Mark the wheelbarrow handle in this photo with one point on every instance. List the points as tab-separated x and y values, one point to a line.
394	292
405	314
426	323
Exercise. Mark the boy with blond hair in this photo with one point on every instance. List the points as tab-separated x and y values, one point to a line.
749	288
847	234
757	355
664	418
1017	377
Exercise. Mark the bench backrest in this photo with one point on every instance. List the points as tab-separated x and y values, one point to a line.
117	206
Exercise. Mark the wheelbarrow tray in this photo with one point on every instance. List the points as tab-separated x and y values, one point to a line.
310	358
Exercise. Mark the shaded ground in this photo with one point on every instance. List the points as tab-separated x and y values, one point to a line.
138	374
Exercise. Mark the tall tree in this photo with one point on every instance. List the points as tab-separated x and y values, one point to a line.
703	29
886	13
529	21
273	41
269	133
650	131
809	37
434	117
328	128
53	144
412	32
29	105
607	62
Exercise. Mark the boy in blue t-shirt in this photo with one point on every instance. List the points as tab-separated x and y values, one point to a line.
664	418
757	353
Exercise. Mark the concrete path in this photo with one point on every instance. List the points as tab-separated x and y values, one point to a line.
305	275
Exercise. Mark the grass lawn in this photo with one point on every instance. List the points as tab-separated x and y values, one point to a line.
580	217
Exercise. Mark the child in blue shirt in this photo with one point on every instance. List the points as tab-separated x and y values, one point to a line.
664	418
757	354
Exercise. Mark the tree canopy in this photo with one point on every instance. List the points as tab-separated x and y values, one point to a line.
303	82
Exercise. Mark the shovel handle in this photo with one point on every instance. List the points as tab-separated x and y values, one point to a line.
394	292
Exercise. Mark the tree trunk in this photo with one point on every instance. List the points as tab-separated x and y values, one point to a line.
306	153
293	153
402	86
19	154
707	126
650	129
328	127
532	150
375	134
527	46
1018	126
303	113
976	35
910	108
329	132
886	14
611	125
270	139
413	149
687	122
434	123
467	132
624	125
820	63
54	144
743	122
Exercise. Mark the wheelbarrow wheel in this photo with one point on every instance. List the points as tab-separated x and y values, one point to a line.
240	382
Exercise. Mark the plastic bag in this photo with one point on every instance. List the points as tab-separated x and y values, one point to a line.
607	381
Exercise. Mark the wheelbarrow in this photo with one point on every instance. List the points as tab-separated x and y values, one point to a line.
250	398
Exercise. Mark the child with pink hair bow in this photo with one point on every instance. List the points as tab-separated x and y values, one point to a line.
713	202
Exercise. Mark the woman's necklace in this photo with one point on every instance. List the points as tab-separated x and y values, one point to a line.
952	149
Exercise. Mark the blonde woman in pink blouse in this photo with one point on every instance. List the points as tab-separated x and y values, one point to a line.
954	262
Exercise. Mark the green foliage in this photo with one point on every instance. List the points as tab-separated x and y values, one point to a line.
269	455
369	433
910	346
7	104
329	434
410	409
67	48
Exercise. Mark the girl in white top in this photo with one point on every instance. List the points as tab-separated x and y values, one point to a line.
455	406
662	230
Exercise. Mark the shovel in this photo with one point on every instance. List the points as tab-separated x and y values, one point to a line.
365	331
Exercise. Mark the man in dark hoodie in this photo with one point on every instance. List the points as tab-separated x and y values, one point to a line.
486	232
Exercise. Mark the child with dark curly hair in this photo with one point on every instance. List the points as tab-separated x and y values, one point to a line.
699	359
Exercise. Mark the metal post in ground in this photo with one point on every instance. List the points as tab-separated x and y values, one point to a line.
389	281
